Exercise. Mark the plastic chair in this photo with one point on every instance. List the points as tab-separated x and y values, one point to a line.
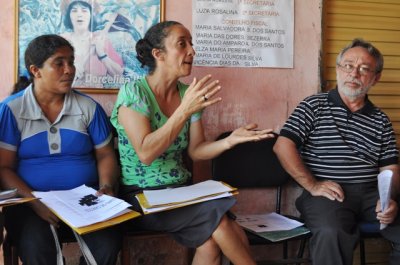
255	165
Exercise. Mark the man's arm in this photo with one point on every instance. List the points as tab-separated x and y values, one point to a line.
292	162
395	180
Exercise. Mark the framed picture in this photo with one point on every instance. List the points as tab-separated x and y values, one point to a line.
103	32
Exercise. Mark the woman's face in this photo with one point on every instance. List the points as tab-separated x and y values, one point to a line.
179	52
57	73
80	17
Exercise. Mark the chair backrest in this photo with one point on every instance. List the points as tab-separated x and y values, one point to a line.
249	165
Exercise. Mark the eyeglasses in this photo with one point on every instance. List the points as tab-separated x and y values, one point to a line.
349	68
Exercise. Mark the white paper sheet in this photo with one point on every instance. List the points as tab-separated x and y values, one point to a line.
187	193
384	187
177	205
81	207
267	222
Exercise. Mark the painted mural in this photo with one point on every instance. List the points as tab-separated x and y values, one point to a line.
103	32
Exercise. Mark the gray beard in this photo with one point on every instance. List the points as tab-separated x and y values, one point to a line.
353	94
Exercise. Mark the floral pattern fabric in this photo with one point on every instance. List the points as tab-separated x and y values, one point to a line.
168	168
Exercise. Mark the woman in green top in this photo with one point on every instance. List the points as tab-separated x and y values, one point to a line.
157	118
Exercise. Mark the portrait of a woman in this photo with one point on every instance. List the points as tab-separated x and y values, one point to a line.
97	63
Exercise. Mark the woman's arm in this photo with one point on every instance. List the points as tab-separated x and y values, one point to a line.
150	144
108	169
10	180
200	149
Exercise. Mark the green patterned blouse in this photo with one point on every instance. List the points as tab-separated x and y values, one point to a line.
168	168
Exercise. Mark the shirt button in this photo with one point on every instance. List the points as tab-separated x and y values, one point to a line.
53	129
54	146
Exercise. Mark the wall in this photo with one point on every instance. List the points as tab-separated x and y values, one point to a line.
262	95
7	73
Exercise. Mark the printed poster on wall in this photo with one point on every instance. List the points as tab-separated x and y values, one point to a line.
243	33
103	32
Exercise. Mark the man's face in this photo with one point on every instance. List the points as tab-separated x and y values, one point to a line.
356	73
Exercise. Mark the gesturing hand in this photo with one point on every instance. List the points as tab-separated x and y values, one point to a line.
99	42
200	94
248	133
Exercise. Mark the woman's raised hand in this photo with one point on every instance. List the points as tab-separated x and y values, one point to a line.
99	41
200	94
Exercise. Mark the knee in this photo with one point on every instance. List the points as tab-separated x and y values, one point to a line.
327	231
330	234
225	224
209	245
209	248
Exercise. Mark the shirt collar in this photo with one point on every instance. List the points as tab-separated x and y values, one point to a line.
336	100
31	110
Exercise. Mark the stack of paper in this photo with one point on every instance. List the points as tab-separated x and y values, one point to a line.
13	201
384	187
272	226
85	212
9	197
160	200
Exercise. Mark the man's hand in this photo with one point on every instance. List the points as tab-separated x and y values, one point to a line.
387	216
329	189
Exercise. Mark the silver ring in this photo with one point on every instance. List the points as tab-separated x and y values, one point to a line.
205	98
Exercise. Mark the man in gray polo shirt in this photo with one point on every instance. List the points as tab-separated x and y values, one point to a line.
334	145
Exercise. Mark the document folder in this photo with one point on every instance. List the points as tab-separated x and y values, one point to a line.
85	212
165	199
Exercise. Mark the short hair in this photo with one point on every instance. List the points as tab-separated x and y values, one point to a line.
372	50
67	17
153	39
42	48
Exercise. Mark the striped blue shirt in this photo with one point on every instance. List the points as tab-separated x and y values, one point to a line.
340	145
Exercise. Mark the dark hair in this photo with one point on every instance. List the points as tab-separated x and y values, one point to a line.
67	17
22	83
372	50
38	51
153	39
